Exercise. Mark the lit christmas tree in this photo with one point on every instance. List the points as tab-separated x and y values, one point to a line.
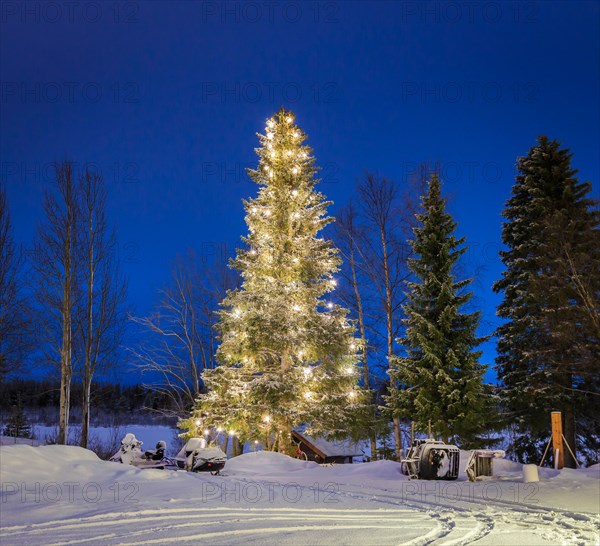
288	355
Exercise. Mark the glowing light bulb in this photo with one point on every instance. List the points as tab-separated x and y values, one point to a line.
296	307
295	193
270	146
295	260
349	370
307	371
308	395
304	155
232	433
289	119
333	282
296	134
253	210
267	212
352	347
256	442
329	305
219	429
288	152
270	123
237	313
271	174
273	154
351	394
206	432
266	168
197	422
228	356
267	418
295	170
253	252
270	136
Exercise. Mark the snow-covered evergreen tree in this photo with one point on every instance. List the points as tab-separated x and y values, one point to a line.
439	379
288	354
548	348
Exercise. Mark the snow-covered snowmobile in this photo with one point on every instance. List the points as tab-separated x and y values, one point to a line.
196	456
131	452
431	460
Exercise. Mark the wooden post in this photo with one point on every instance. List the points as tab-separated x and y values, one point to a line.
412	433
557	441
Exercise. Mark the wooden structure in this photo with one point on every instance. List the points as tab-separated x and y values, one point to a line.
321	451
557	440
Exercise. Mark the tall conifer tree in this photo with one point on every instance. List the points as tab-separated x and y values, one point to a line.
440	379
548	348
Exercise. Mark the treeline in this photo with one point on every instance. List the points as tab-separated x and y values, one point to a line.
108	400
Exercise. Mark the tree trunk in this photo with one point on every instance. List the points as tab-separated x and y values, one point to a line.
85	411
397	439
66	368
390	330
570	437
237	447
65	403
361	329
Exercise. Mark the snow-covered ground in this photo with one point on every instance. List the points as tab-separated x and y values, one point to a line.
66	495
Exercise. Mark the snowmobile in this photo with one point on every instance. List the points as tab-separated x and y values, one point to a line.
196	456
431	460
131	453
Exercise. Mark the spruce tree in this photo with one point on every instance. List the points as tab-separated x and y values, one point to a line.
287	353
548	348
439	378
18	425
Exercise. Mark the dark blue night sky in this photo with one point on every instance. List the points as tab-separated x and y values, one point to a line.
166	98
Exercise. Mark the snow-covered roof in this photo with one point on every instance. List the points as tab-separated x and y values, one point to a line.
331	448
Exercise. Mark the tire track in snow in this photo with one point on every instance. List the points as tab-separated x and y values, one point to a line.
562	526
445	522
163	529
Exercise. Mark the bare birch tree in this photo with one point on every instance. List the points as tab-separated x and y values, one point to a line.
101	324
55	264
386	217
15	325
348	234
183	340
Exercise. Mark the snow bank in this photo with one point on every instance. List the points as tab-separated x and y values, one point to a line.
266	462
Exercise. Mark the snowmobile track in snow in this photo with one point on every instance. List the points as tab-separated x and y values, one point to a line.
555	525
253	525
383	517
